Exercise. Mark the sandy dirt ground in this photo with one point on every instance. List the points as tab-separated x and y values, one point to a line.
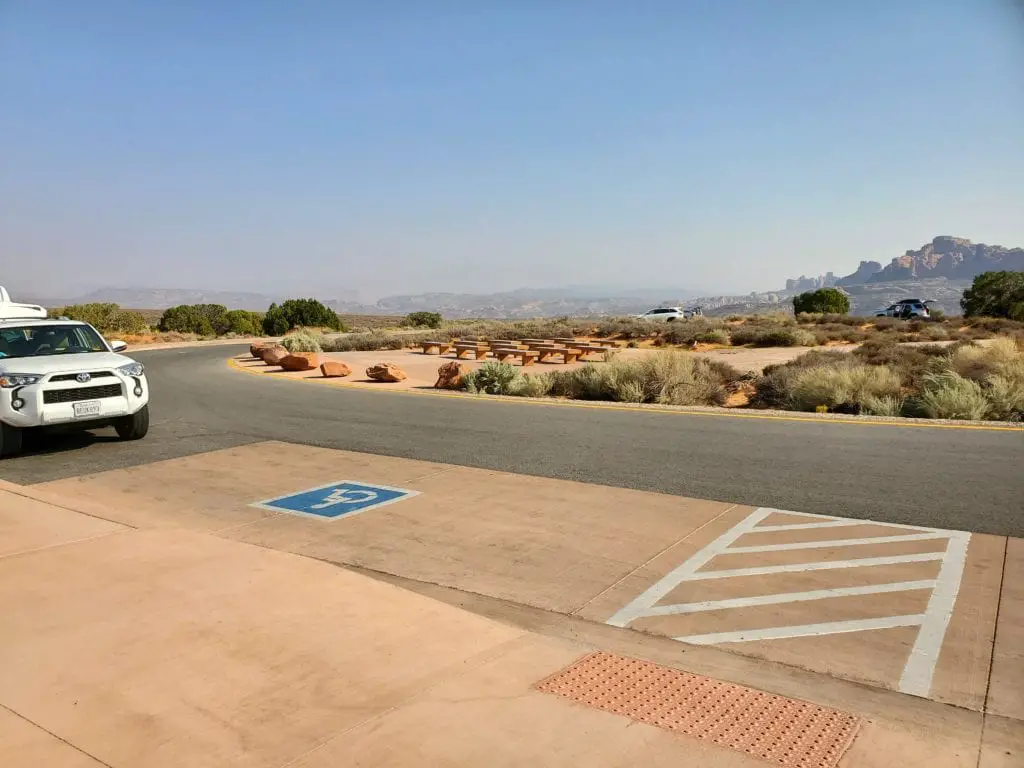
422	369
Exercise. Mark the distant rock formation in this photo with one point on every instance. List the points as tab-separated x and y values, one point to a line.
955	258
862	274
811	283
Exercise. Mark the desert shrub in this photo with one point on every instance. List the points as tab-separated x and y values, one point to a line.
716	336
772	389
127	322
625	328
882	405
773	337
373	340
948	395
830	300
826	332
531	385
995	294
689	331
845	386
830	318
105	317
670	378
244	323
976	362
97	315
303	341
1005	394
423	320
494	378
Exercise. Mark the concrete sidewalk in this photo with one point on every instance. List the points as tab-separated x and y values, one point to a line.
143	628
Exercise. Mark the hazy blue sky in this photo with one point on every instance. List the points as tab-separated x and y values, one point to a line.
409	145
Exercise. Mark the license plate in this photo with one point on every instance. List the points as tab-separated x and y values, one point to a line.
87	408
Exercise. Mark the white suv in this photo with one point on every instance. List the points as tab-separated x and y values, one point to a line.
669	314
63	373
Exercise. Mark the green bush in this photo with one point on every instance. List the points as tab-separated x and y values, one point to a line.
96	314
302	341
995	294
310	313
126	322
494	378
275	322
423	320
244	322
823	300
201	319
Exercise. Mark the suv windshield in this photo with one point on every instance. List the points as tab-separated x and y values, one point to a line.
44	340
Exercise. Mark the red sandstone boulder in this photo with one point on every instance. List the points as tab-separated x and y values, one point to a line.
449	375
334	369
273	354
385	372
301	361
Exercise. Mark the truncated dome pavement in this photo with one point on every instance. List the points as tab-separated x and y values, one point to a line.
788	732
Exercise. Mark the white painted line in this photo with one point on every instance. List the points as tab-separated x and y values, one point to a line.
849	521
804	630
788	597
643	602
809	526
922	557
917	674
838	543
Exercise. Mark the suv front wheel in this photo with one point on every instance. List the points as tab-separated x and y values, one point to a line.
133	427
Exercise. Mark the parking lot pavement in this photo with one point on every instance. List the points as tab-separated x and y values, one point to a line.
904	608
137	632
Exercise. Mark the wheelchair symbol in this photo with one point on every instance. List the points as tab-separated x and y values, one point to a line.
345	496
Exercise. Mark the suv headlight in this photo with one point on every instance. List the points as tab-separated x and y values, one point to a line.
132	369
11	380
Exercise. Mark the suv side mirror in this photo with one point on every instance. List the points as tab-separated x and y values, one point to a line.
118	346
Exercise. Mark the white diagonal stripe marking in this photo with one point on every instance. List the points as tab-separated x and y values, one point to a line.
836	543
863	562
804	630
787	597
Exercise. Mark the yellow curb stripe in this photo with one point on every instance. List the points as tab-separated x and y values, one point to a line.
864	422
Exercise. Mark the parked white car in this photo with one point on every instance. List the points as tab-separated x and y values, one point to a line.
64	373
669	314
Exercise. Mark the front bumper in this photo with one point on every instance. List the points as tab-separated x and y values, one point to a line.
36	412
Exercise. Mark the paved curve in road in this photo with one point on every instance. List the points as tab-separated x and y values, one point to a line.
966	479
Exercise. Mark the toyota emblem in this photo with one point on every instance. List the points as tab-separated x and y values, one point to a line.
82	378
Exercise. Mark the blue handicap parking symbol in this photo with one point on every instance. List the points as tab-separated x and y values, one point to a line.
336	499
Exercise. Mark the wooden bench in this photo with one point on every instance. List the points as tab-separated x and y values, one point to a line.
587	350
463	349
606	342
567	355
437	347
527	356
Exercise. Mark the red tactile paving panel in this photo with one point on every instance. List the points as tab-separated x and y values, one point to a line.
786	731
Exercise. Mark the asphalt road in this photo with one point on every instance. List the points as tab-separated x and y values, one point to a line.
951	478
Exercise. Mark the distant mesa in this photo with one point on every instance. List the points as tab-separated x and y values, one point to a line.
953	258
